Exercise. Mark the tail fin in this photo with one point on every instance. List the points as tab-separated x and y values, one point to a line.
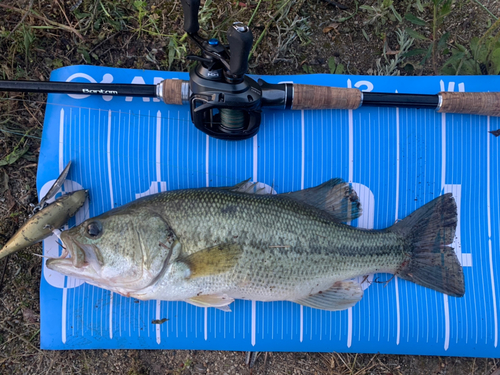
428	232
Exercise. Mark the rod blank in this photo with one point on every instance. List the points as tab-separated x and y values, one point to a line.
79	88
374	99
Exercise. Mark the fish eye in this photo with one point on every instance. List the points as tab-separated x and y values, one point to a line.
94	229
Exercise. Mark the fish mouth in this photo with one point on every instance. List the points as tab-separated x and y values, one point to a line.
80	255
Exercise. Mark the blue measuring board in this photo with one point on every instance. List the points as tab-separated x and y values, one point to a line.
397	160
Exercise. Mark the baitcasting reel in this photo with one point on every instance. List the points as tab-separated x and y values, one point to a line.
225	103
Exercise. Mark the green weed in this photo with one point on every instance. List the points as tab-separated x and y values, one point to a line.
205	16
141	13
19	150
482	56
335	68
440	9
176	50
289	30
351	15
308	69
284	12
28	37
379	13
102	17
148	20
390	68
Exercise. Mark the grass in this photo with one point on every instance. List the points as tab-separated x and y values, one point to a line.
91	27
390	65
436	43
481	57
436	49
380	13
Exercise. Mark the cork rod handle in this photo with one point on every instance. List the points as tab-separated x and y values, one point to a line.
324	97
476	103
171	91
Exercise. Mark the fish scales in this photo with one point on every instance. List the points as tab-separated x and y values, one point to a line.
210	246
285	243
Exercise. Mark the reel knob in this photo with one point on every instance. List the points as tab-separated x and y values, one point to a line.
240	40
190	9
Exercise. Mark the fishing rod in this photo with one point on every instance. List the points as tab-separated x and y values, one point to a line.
225	103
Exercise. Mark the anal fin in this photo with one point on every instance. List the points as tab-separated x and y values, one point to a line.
218	301
341	296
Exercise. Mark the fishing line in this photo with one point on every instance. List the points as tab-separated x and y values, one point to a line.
43	256
16	133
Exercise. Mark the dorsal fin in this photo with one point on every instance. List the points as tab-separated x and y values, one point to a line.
335	196
249	187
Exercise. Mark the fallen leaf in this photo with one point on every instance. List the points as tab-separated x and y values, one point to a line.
496	133
246	5
330	27
388	50
29	316
9	200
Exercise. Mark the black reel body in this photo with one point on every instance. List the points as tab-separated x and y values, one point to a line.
225	110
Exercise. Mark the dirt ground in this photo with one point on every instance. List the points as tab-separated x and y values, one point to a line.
292	37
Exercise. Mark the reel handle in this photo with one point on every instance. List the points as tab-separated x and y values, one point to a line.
240	40
190	9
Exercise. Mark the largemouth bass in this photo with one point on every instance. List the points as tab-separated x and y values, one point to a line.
213	245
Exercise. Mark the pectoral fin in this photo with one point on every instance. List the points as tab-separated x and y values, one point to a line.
341	296
218	301
212	261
